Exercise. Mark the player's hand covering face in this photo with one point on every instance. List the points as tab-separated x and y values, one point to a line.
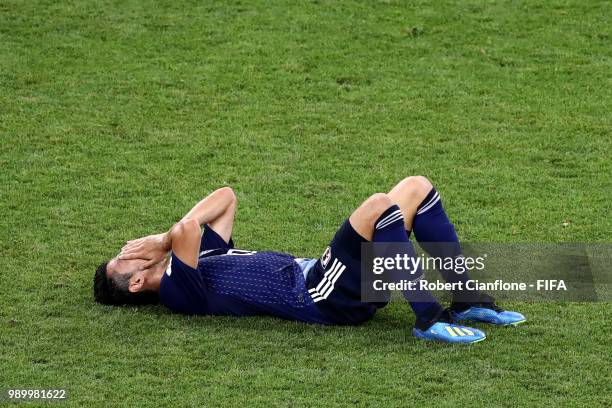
150	248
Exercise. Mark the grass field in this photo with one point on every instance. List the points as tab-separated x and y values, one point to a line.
117	116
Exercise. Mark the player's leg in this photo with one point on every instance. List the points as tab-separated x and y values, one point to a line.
408	194
414	195
425	215
362	219
380	220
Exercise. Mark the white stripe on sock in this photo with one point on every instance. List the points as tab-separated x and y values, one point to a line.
394	213
430	200
391	221
427	207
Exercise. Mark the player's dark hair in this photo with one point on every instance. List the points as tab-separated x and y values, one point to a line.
115	291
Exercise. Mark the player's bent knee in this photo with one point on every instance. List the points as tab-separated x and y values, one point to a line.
229	192
376	204
417	184
363	218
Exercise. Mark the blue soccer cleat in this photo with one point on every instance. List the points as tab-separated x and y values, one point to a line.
488	314
450	333
482	309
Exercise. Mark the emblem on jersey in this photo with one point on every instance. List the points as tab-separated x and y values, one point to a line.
326	257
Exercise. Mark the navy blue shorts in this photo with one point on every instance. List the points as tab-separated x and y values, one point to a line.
335	281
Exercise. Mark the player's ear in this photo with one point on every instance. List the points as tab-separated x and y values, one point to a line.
136	282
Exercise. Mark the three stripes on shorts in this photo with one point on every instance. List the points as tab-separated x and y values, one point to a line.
326	285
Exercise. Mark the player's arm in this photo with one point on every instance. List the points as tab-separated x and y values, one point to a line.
184	239
217	210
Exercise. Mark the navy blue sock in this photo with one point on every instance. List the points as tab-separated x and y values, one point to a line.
390	228
436	235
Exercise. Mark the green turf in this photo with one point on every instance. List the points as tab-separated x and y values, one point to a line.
117	116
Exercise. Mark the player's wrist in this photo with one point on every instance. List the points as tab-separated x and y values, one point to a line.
165	241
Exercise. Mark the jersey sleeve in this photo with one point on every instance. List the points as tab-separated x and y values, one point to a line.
182	288
211	240
181	271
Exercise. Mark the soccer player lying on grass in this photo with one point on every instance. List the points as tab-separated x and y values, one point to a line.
204	274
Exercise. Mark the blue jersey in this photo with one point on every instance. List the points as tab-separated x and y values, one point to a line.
236	282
